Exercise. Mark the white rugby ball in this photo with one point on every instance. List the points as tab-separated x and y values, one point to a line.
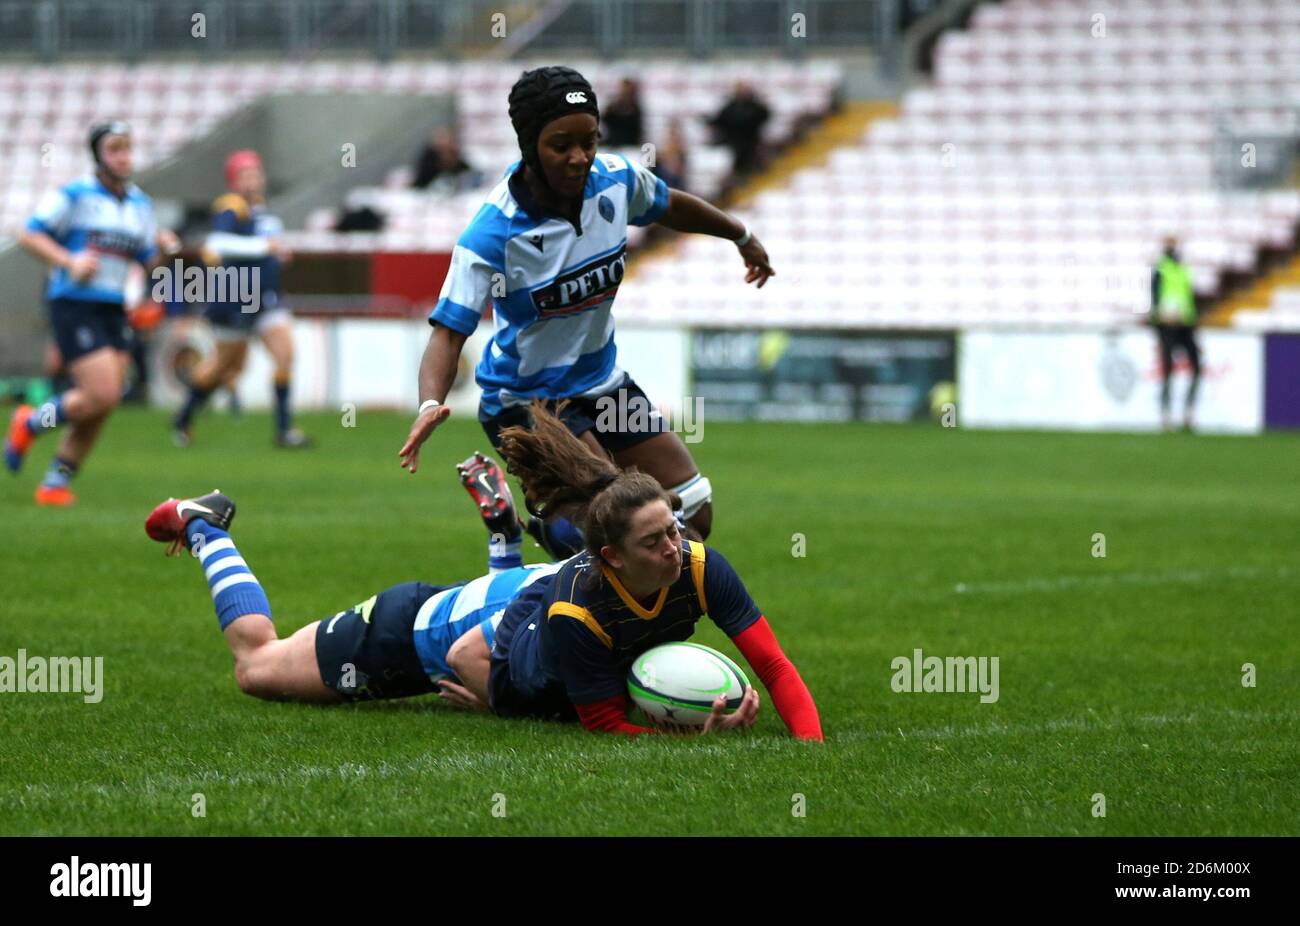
676	684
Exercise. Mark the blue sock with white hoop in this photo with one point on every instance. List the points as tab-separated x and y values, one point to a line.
504	552
235	591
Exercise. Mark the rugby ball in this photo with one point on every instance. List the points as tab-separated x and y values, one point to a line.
675	684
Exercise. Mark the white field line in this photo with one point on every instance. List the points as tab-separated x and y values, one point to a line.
507	763
1089	723
1176	577
485	764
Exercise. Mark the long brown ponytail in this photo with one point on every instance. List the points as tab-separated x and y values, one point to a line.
562	477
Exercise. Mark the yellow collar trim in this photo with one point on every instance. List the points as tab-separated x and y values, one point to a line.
632	602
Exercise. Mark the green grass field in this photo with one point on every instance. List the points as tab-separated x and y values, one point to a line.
1119	675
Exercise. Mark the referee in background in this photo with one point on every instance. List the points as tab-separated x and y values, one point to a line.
1173	313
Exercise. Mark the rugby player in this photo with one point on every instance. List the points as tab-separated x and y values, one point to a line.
547	251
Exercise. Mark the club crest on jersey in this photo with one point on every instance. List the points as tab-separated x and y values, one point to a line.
606	208
582	287
575	96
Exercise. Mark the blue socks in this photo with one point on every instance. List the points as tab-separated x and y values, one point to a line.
281	408
504	553
193	403
198	397
235	591
59	474
505	547
47	416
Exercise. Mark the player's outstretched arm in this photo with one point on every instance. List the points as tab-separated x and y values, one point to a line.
734	611
689	213
790	696
437	373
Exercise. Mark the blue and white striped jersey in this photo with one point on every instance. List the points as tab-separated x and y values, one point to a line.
453	612
551	283
84	215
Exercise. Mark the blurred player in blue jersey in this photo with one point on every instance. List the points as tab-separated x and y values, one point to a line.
547	250
89	232
563	649
248	239
401	642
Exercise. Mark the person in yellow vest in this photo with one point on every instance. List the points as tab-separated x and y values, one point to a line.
1173	314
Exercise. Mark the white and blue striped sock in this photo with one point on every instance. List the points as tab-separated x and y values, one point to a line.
504	553
235	591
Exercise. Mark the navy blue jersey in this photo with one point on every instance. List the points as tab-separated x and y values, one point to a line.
240	237
583	630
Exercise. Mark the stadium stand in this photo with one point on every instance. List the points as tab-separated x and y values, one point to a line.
1032	181
1273	304
171	104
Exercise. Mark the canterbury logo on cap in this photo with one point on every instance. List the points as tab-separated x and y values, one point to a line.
575	96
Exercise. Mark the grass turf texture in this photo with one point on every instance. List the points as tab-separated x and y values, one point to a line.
1119	676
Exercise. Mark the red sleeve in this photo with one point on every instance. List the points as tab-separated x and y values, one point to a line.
609	716
781	679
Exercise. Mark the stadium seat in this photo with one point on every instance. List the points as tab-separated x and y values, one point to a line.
1071	158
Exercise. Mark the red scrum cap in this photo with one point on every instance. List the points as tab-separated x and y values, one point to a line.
238	160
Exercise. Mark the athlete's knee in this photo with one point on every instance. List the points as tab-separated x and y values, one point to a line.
255	679
246	678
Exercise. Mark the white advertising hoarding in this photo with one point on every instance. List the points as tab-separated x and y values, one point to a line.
374	363
1104	380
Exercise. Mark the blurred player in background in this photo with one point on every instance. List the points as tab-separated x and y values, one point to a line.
186	330
248	238
89	232
547	250
1173	313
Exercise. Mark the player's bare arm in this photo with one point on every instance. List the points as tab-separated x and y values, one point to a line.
437	374
689	213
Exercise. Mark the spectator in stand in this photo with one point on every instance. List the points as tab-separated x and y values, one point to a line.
624	127
739	126
360	213
670	159
442	165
